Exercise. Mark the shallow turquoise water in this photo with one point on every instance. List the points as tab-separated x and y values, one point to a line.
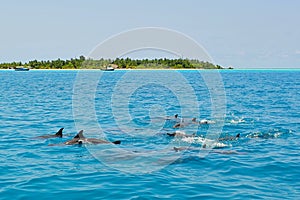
263	106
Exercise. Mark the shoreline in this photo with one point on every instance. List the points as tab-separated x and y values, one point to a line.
236	69
114	70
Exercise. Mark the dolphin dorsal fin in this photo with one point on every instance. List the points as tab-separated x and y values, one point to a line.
238	135
79	135
59	133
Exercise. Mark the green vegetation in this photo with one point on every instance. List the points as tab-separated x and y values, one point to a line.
54	64
121	63
164	64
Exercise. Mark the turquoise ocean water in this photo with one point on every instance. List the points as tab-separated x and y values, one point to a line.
263	106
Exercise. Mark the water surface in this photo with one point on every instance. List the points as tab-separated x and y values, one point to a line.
263	106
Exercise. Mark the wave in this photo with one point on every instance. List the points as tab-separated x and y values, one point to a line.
271	134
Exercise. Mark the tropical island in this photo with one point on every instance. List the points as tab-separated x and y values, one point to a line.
118	63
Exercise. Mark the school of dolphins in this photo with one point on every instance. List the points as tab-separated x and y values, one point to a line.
179	123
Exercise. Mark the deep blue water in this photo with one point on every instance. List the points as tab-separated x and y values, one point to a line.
261	105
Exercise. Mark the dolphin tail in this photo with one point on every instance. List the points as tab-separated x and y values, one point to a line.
117	142
59	133
171	134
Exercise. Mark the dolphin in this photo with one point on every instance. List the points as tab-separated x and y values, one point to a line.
75	139
205	121
80	139
180	134
178	149
174	117
230	138
183	134
179	125
57	134
184	124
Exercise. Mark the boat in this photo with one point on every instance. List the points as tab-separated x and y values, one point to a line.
108	68
21	69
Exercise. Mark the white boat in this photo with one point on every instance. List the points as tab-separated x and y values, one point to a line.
108	68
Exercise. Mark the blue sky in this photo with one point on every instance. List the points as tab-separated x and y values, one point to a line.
242	34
